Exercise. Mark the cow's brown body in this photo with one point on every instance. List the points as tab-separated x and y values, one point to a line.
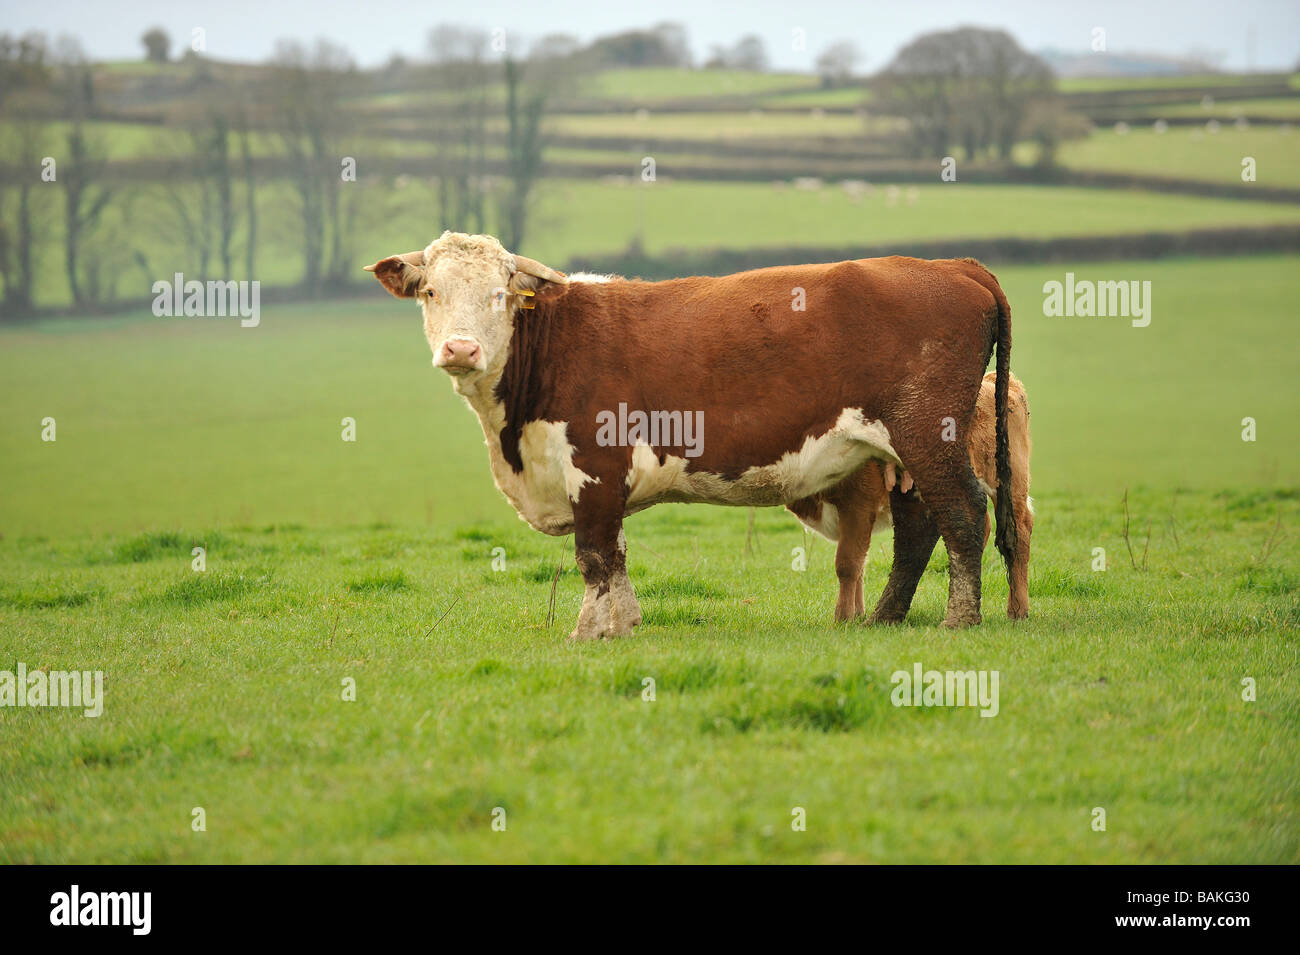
848	512
885	357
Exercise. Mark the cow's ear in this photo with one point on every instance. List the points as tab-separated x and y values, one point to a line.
533	280
400	274
531	287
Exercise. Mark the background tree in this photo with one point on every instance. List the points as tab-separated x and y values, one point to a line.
25	79
968	88
305	92
462	76
86	195
663	45
547	75
157	44
749	53
835	64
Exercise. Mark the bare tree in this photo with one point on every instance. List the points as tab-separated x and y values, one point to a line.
84	192
157	44
749	53
531	87
305	93
462	78
250	194
24	141
524	109
969	87
24	64
835	64
664	45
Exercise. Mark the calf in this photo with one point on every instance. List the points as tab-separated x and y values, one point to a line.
848	512
799	376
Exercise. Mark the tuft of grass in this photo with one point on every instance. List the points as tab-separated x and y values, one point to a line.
197	589
828	703
152	546
1060	582
383	581
678	676
47	596
680	585
543	572
1272	581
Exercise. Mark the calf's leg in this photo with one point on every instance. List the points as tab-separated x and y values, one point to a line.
1018	598
857	500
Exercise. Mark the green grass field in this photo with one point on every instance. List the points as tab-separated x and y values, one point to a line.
1282	107
374	560
1191	153
1100	84
796	128
658	84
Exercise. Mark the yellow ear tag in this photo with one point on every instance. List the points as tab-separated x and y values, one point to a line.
527	295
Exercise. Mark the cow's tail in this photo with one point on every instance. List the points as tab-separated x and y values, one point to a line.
1003	509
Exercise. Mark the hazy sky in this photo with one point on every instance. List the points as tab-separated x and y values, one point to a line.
1264	34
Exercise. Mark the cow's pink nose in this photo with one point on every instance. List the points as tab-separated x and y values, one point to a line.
460	354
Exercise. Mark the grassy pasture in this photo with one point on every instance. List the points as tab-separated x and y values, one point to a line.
1101	84
798	128
1282	107
223	691
659	84
329	560
847	96
1190	153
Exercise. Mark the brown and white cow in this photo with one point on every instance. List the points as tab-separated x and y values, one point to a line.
801	375
848	512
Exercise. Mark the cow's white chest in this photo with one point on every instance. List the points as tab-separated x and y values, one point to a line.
821	462
544	492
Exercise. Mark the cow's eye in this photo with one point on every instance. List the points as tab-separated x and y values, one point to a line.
433	296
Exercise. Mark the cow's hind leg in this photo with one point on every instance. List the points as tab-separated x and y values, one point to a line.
609	605
956	504
915	534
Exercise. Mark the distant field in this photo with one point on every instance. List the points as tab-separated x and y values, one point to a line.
654	84
1279	107
113	140
1183	153
851	96
586	218
798	128
1091	84
373	561
700	215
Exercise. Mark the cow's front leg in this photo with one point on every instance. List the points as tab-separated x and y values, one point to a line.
609	605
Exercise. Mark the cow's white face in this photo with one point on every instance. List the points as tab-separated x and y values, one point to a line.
467	318
468	288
